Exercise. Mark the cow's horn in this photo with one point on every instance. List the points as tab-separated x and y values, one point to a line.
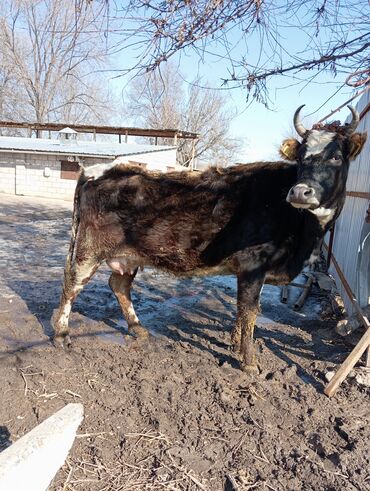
300	129
351	127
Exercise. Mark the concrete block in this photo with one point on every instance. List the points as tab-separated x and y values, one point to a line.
32	462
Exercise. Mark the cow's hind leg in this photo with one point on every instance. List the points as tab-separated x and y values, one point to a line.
75	278
249	289
121	287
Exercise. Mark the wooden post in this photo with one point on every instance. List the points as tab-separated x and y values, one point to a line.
192	156
367	358
303	296
94	135
348	364
119	138
175	139
156	140
126	136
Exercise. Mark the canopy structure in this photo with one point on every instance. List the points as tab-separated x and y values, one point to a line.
104	130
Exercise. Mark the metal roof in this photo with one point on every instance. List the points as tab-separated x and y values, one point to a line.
68	130
82	148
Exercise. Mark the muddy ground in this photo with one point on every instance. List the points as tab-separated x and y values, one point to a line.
173	412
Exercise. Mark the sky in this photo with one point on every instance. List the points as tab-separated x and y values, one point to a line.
262	129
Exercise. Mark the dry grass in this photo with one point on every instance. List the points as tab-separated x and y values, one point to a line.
155	470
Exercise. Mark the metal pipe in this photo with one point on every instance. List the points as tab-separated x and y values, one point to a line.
330	246
358	194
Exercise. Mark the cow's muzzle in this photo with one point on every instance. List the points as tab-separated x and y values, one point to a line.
302	196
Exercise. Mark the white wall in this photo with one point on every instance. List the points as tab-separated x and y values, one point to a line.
7	176
24	174
163	160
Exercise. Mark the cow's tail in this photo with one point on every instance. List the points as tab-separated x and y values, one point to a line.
75	222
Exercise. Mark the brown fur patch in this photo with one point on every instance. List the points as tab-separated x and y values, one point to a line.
357	141
289	148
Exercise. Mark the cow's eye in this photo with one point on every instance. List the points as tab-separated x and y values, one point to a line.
336	159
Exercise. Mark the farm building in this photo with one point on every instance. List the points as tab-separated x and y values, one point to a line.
49	167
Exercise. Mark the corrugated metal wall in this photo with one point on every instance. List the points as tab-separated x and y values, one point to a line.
350	225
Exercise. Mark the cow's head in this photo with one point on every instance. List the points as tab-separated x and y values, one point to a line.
323	158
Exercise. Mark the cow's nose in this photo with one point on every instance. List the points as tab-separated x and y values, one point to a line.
301	193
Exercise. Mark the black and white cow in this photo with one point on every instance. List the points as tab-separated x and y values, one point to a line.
261	222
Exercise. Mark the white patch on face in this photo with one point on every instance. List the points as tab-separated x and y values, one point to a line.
324	215
96	171
317	141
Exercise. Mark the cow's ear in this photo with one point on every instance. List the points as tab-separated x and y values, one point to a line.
356	143
289	149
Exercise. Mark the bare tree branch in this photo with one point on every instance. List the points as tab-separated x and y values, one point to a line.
48	49
291	36
160	100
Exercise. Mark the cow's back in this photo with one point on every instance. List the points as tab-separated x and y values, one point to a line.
184	221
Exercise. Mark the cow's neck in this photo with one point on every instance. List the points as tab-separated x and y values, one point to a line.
324	215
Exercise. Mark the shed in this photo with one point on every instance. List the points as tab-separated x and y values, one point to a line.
49	167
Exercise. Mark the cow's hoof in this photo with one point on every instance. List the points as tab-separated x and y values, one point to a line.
62	341
251	369
139	331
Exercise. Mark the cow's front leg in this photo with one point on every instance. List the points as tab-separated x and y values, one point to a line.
121	287
249	289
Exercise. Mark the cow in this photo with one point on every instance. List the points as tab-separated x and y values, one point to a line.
261	222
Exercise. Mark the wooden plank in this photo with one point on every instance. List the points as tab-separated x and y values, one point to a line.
108	130
360	348
349	292
348	364
302	298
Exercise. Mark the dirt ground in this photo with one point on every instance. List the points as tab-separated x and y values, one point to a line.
173	412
